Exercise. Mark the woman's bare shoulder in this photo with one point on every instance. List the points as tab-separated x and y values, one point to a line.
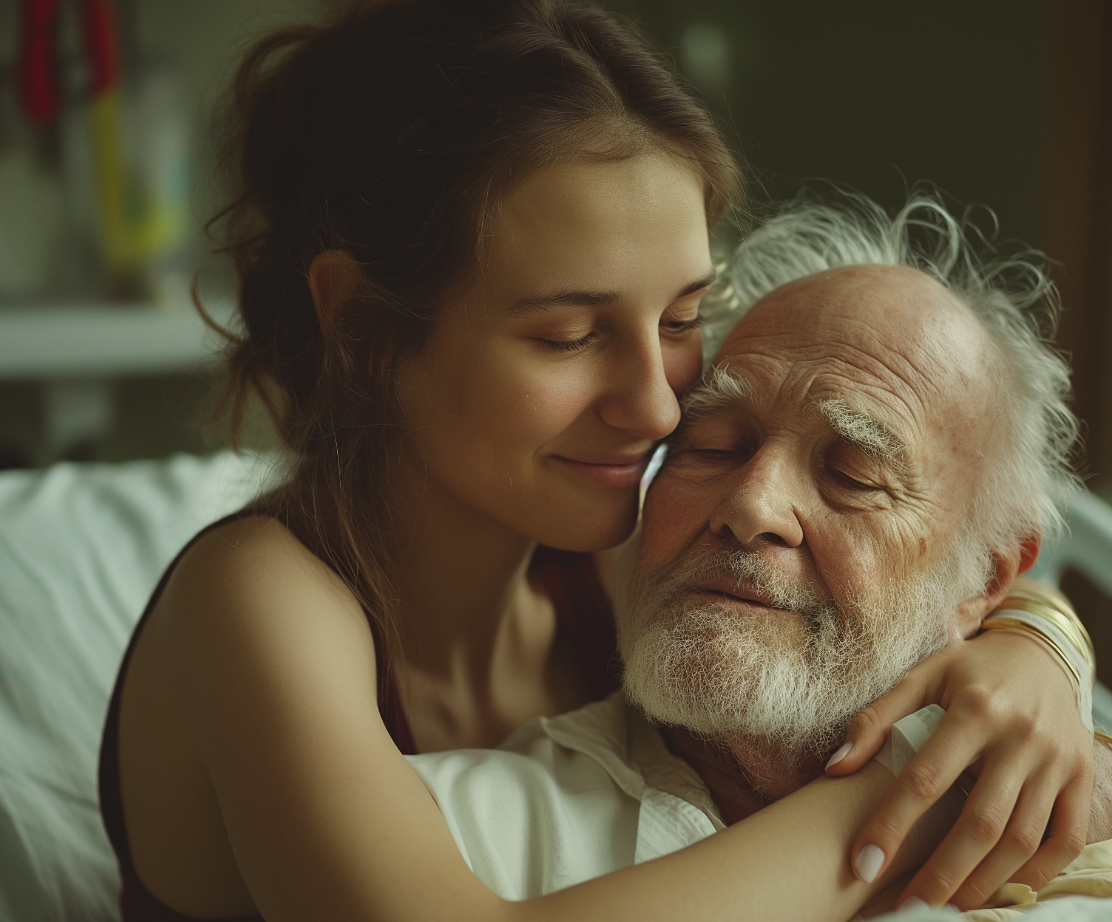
239	545
252	580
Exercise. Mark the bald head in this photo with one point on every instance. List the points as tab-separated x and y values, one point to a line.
869	306
887	359
801	538
1010	297
830	510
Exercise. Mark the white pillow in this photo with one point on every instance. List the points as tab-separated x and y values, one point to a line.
81	548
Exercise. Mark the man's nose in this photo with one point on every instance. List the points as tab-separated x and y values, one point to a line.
759	507
640	399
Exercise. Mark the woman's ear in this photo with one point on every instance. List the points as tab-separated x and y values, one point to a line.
334	279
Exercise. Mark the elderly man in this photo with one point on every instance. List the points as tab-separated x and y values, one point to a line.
853	487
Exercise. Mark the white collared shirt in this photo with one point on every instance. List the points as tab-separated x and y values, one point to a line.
568	798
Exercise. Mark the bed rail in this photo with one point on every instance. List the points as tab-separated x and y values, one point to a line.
1085	546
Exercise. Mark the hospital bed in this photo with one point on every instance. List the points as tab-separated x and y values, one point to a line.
81	547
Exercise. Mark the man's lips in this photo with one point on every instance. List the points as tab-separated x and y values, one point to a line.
742	592
617	470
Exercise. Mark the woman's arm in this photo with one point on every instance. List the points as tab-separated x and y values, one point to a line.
327	820
1012	719
1100	817
787	861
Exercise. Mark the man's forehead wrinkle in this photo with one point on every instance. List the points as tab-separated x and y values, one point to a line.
889	372
854	348
899	340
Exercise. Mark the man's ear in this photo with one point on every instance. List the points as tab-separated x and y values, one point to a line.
334	279
1007	567
1029	553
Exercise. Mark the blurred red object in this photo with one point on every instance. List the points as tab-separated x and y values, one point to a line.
38	70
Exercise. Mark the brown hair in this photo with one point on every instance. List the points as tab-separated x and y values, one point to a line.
391	132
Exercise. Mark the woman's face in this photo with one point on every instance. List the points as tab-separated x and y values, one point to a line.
542	390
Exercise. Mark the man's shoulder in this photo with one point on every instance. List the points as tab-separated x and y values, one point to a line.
599	731
532	816
616	735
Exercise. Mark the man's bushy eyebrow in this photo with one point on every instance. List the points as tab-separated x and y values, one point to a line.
719	388
864	430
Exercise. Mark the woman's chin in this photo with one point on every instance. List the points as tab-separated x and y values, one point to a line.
591	526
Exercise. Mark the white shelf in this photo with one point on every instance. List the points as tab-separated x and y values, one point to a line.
74	341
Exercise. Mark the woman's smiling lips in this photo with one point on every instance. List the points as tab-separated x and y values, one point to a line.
612	470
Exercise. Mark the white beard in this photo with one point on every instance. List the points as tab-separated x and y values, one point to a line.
784	687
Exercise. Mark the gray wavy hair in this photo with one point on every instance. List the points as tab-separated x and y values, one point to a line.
1012	296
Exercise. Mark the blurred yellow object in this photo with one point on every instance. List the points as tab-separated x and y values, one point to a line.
133	228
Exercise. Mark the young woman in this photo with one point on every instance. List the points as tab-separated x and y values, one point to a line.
472	238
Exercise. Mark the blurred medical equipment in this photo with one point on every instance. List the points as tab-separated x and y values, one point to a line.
124	146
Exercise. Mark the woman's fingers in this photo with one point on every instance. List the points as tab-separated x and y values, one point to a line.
1019	842
869	728
1068	832
922	782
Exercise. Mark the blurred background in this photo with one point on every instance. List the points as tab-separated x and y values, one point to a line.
107	175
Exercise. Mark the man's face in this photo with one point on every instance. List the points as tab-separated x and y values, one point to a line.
798	550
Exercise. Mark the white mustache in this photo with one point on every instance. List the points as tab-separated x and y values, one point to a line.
786	592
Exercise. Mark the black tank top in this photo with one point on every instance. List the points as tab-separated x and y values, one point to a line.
584	619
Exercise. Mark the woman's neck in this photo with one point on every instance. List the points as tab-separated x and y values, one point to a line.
478	639
460	575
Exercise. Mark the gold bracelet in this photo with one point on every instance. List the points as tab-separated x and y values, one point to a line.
1002	621
1056	611
1101	737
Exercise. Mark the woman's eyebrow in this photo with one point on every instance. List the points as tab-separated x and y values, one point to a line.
568	297
707	280
577	297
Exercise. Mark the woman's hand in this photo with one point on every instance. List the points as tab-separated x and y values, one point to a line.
1012	720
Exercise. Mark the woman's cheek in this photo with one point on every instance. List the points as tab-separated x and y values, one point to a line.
683	363
536	404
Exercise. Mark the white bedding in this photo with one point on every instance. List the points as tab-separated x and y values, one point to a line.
81	548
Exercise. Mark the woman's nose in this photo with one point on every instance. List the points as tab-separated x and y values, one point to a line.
758	506
640	399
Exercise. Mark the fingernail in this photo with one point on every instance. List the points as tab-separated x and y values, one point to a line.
868	863
842	752
912	904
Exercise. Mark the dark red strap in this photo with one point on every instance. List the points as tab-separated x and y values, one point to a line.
584	614
137	903
390	702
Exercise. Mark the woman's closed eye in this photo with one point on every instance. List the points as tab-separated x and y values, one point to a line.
567	345
676	327
671	327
